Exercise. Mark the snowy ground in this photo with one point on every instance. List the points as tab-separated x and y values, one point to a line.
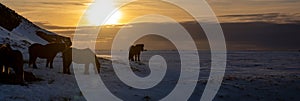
250	76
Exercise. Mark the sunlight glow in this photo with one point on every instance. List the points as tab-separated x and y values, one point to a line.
102	12
114	18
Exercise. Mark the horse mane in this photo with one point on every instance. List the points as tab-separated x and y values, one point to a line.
141	45
2	46
5	46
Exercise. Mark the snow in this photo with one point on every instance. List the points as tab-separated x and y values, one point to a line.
54	86
22	37
27	30
251	75
248	77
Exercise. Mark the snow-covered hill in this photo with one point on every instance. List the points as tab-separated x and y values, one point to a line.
20	33
17	41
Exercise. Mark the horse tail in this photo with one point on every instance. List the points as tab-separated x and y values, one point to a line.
30	56
97	64
18	66
30	51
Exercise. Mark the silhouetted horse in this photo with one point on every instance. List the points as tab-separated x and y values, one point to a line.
48	52
13	59
80	56
135	52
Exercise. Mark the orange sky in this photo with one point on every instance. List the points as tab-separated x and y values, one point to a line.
68	12
62	16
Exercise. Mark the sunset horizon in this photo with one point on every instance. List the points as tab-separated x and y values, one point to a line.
63	17
149	50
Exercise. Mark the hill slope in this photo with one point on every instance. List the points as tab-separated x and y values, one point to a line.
20	33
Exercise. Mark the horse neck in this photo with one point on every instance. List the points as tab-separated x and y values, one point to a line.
61	50
140	49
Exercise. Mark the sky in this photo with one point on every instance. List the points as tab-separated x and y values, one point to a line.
62	17
68	12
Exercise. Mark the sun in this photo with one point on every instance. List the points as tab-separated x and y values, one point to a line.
114	18
102	12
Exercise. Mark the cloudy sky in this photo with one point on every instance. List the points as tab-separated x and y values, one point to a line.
62	16
68	12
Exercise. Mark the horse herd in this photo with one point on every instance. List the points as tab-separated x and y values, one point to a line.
10	58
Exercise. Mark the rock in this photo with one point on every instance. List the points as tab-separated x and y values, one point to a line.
12	78
30	77
51	81
147	98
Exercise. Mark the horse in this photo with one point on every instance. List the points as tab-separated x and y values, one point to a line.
47	51
131	49
135	52
80	56
12	58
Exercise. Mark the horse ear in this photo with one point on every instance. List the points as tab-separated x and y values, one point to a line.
6	45
2	45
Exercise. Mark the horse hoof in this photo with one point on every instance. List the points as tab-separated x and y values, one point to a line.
23	84
67	73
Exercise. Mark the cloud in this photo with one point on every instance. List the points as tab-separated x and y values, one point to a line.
265	17
262	35
239	36
65	3
52	27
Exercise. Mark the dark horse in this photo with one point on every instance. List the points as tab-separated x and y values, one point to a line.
135	52
48	52
80	56
13	59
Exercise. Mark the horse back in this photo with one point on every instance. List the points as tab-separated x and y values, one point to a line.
17	54
35	47
79	55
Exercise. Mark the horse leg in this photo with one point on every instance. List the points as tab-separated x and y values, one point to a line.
6	69
66	67
68	71
87	69
19	73
47	63
130	57
31	58
33	62
1	68
51	63
138	56
97	65
133	58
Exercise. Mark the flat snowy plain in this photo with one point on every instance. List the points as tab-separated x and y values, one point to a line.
250	76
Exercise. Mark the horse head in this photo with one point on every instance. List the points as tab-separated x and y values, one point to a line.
5	48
